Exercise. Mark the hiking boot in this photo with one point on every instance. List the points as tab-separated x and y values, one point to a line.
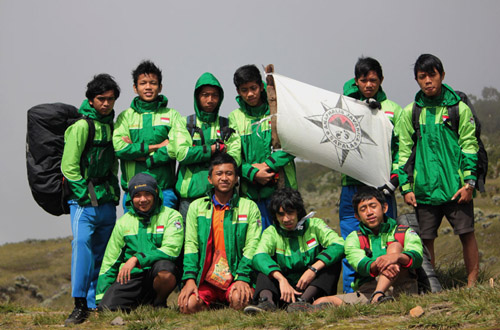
263	306
300	306
79	315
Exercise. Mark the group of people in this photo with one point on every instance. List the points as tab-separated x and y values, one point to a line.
221	229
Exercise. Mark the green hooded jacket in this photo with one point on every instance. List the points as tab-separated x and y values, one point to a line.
192	155
392	110
242	229
99	163
149	240
146	124
361	263
443	160
256	148
290	252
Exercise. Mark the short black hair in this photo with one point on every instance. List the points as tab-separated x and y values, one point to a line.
365	193
101	83
365	65
146	67
245	74
289	199
427	63
221	158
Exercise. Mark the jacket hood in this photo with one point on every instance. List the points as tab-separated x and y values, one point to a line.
257	111
385	226
87	110
352	90
447	98
207	79
141	106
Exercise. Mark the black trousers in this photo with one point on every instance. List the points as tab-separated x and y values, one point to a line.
138	291
326	280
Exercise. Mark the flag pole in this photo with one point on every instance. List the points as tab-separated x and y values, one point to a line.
273	108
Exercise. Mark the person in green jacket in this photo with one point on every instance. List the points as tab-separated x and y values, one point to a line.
298	257
139	262
382	268
367	86
261	165
143	132
222	232
439	176
91	177
200	138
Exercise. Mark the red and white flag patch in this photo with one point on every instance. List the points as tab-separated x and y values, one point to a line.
312	242
242	218
165	120
160	229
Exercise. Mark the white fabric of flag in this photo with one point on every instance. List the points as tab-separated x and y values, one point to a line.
333	130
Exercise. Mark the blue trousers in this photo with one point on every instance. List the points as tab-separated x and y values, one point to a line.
349	223
91	227
267	220
169	199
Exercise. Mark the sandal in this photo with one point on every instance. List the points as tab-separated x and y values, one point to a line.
382	299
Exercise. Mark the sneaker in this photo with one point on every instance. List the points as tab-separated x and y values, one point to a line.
262	306
79	315
300	306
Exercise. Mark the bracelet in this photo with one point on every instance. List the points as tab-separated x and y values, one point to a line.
313	269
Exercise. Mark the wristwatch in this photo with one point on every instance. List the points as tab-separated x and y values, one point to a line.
313	269
470	184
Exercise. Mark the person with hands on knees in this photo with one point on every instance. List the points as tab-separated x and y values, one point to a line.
222	232
382	252
139	262
298	257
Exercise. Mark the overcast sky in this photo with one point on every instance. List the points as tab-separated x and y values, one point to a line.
49	50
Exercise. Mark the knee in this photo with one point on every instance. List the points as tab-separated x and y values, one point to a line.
395	247
164	278
194	306
236	303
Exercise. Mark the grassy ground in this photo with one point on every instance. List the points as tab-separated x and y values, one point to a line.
35	282
476	308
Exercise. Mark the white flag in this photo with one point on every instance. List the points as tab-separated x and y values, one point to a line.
333	130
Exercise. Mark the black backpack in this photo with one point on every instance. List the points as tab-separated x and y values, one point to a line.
44	148
482	156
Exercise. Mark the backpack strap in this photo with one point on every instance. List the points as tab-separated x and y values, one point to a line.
225	130
86	149
415	119
364	244
192	128
454	117
399	234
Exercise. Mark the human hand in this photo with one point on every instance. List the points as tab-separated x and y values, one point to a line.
392	271
124	273
465	195
386	260
410	199
288	293
242	291
126	139
186	292
305	279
